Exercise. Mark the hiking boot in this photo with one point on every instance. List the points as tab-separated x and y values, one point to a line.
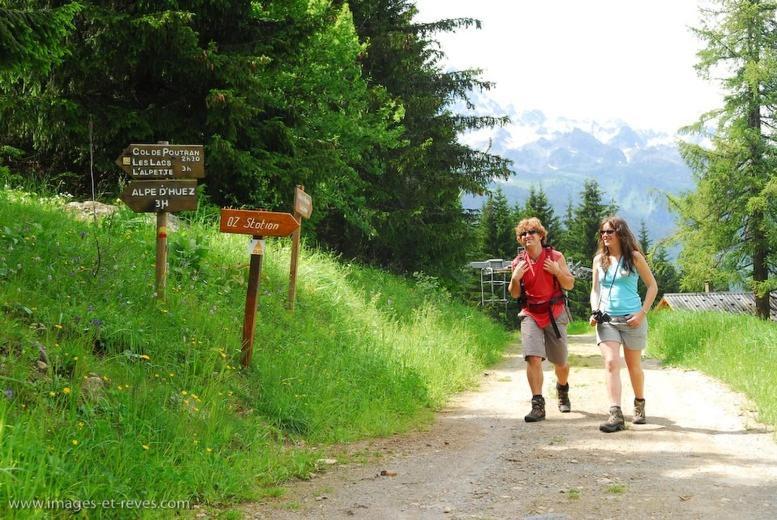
537	409
614	422
639	411
564	406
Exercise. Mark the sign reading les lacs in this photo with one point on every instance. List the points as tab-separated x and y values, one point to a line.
163	161
257	223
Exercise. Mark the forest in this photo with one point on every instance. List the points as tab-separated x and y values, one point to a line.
350	99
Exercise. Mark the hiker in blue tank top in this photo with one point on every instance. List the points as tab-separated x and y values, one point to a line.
620	316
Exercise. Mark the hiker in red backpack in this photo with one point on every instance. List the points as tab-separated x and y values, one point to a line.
540	277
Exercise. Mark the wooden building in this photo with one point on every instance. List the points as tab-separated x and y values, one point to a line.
734	302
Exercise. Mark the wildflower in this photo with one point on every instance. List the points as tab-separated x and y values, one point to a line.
145	446
58	325
208	450
52	394
184	392
145	356
74	442
66	390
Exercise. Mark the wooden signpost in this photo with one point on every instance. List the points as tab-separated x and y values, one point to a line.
258	224
168	173
303	207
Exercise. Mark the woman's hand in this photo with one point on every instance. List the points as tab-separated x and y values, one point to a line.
592	321
636	319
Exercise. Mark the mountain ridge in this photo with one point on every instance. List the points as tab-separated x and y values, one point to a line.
635	168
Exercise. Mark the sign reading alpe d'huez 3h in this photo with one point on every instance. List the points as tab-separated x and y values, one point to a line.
163	176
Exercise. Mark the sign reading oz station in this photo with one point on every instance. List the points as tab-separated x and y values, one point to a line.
257	223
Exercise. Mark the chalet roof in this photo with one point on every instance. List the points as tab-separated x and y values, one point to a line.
736	302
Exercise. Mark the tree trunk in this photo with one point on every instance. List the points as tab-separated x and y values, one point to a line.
760	266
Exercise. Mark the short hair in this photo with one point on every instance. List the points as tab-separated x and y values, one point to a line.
531	223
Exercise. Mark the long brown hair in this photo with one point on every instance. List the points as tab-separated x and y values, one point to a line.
628	242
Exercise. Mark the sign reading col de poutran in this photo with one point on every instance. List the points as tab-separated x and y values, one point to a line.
163	161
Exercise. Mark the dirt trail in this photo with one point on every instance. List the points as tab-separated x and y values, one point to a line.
701	455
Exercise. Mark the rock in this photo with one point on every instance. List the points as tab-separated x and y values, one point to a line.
87	209
92	387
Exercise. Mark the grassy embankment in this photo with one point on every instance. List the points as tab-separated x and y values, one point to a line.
739	350
142	400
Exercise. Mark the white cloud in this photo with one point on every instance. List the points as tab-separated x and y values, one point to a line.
586	59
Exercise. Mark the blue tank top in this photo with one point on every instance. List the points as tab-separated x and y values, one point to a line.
623	299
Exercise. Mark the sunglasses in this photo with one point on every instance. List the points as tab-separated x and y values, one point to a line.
606	232
528	232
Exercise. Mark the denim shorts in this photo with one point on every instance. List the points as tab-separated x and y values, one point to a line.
619	331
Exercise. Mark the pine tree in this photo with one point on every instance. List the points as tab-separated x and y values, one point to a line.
728	226
537	205
585	225
643	237
32	40
415	199
497	230
665	273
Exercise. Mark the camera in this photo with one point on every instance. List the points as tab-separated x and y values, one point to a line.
600	317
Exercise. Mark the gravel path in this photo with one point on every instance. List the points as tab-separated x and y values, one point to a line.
701	455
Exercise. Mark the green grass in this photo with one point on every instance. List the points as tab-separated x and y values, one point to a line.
579	327
737	349
146	400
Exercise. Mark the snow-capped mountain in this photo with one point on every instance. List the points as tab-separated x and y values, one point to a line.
634	167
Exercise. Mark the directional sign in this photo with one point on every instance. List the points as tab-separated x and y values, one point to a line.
153	196
303	204
257	223
163	161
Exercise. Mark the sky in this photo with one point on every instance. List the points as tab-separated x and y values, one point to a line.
584	59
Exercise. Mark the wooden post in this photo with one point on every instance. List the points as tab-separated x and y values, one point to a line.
252	302
161	250
161	254
294	256
302	208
